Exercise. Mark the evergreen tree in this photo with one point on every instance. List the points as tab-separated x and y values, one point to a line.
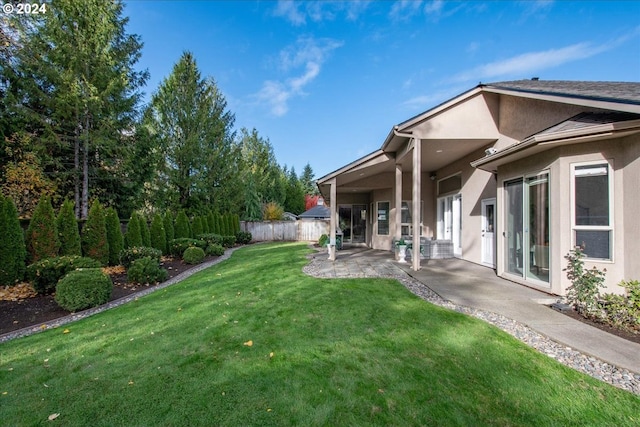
205	224
196	226
94	235
211	221
114	235
144	231
294	202
252	205
168	226
158	234
133	237
307	182
42	234
182	227
68	232
236	224
13	252
218	223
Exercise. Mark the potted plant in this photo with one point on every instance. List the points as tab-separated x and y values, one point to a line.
402	250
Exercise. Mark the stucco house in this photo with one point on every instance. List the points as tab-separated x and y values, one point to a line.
509	175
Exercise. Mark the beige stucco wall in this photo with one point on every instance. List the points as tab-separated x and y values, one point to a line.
620	154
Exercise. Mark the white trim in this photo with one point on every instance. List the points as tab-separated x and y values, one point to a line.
388	217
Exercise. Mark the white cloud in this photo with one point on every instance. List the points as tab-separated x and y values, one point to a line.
523	65
404	9
298	12
434	7
290	10
307	53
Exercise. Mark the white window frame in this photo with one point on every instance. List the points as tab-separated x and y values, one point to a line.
609	227
388	217
409	225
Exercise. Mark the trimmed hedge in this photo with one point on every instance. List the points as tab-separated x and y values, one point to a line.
193	255
182	228
129	255
158	234
215	250
68	232
146	271
42	233
94	235
228	241
13	251
178	246
133	236
45	274
114	235
81	289
211	238
243	237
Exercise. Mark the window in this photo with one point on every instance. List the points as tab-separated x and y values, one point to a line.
382	214
406	220
450	185
592	229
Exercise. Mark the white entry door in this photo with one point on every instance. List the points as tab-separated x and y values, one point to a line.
488	232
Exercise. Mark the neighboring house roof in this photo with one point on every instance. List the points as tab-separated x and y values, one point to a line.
316	212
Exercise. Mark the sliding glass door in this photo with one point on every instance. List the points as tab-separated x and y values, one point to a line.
527	227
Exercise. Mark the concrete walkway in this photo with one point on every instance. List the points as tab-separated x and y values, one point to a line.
469	285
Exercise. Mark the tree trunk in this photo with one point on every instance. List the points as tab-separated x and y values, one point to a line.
85	170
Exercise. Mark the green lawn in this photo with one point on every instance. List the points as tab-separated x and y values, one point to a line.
324	352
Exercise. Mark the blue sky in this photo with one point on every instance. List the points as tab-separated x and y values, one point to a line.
325	81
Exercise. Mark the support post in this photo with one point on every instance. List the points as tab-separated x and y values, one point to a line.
397	229
415	211
333	221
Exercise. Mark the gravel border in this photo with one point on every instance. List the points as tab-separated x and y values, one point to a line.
598	369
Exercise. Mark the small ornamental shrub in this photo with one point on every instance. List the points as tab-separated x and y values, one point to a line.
13	252
167	221
586	284
114	236
182	228
42	234
127	256
144	231
158	234
133	237
82	289
211	239
243	237
68	232
272	212
622	311
228	241
146	270
178	246
193	255
323	240
45	274
215	250
94	235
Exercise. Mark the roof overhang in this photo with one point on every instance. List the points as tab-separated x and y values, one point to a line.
547	140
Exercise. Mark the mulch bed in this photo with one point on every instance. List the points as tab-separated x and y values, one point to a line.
630	336
41	309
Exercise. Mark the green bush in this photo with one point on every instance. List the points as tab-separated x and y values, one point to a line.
178	246
13	252
196	226
211	239
622	311
167	221
586	284
68	232
215	250
42	234
94	235
323	240
182	229
45	274
133	237
228	241
146	270
114	235
193	255
243	237
129	255
144	231
81	289
158	234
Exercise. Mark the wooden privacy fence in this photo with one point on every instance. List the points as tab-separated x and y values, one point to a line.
300	230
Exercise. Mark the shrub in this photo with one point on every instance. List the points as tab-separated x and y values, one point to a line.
235	220
273	212
42	234
196	226
68	232
211	220
158	234
94	235
178	246
323	240
182	228
193	255
228	241
243	237
217	219
13	251
584	291
114	236
45	274
129	255
211	239
146	270
215	250
144	231
622	311
81	289
132	237
167	221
